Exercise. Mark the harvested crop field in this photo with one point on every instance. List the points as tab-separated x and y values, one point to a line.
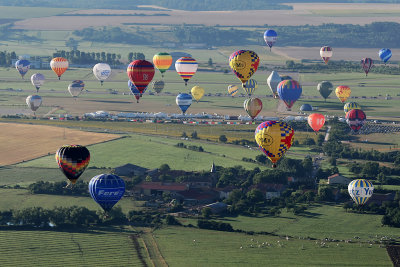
21	142
312	14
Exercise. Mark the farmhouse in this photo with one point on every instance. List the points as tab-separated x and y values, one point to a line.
338	179
130	170
270	191
158	188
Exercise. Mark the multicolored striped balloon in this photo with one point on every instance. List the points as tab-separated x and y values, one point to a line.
59	65
140	72
366	64
289	91
351	105
250	86
253	107
232	90
326	53
184	101
186	67
385	54
162	61
360	190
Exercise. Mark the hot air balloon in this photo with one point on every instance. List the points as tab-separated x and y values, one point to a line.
253	107
106	190
102	71
366	64
274	138
316	121
273	80
343	92
250	86
270	37
37	80
59	65
326	53
306	107
232	90
140	72
244	64
76	87
325	88
355	118
289	91
385	54
158	86
162	61
134	91
351	105
360	190
186	67
34	102
197	92
22	66
72	160
184	101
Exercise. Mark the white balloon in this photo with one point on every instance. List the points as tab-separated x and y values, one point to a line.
102	71
34	102
37	80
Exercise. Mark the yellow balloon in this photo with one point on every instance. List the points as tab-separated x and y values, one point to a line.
244	64
343	92
274	138
197	92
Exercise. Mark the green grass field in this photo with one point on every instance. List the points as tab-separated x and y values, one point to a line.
102	247
234	249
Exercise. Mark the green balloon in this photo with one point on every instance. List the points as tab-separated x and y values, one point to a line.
325	88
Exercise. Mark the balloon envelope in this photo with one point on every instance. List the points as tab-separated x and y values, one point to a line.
232	90
360	190
343	92
106	190
197	92
162	61
252	106
102	71
306	107
250	86
37	80
273	80
274	138
59	65
134	91
244	64
22	66
72	160
316	121
289	91
186	67
325	88
76	87
158	86
351	105
184	101
270	37
140	72
355	118
385	54
366	64
34	102
326	53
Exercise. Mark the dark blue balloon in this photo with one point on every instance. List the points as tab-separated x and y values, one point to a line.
306	107
184	101
22	66
385	54
106	190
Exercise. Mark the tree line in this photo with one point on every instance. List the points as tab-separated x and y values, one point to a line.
80	57
6	58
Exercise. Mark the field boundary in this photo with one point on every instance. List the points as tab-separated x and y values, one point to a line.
152	249
394	254
136	246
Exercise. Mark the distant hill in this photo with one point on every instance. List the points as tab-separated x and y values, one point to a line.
196	5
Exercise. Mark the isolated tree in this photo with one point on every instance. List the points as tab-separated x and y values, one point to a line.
210	62
223	139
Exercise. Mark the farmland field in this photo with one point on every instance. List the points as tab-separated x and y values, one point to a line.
101	247
32	141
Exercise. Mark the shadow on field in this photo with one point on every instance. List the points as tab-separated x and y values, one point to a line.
110	101
93	230
238	107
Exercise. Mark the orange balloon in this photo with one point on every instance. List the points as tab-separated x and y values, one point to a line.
316	121
59	65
